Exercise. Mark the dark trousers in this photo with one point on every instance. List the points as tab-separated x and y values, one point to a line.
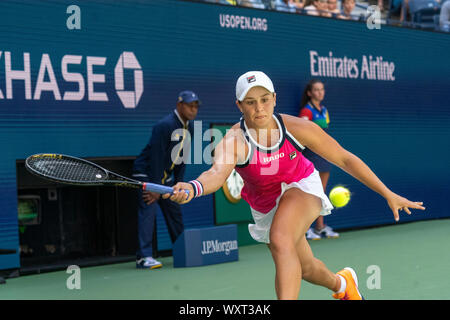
146	223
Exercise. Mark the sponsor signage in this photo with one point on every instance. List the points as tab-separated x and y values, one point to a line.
204	246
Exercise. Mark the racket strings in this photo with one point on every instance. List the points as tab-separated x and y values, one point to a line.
67	169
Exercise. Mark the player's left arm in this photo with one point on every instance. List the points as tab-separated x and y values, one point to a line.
312	136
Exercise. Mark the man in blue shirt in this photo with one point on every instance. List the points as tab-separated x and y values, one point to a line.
161	162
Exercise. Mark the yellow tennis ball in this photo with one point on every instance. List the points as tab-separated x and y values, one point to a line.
339	196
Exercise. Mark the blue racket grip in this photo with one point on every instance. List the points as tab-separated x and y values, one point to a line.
153	187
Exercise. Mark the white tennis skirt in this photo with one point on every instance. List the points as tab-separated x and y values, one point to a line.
260	231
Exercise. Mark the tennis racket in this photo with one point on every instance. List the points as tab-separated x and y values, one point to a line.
75	171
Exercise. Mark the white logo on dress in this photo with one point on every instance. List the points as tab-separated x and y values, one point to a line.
272	158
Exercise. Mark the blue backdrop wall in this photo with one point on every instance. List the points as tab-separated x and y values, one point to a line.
98	90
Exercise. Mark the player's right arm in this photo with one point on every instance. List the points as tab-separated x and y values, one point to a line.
231	150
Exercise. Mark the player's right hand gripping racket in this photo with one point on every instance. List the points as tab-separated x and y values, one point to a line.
75	171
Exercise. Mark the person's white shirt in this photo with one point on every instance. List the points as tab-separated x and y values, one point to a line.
312	10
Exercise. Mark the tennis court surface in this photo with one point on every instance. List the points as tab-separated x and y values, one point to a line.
405	261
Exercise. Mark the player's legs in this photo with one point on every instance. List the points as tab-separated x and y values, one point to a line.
315	272
324	176
313	269
296	211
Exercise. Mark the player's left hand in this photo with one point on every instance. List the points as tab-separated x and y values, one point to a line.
398	203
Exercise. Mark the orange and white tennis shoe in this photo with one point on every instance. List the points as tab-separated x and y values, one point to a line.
351	291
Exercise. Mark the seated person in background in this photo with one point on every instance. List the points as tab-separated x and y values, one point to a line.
285	5
405	10
229	2
252	4
346	11
332	7
399	7
299	4
383	5
310	8
444	18
317	8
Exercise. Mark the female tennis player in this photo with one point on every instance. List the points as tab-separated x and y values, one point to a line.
282	187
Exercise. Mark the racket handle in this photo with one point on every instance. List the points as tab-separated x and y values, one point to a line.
153	187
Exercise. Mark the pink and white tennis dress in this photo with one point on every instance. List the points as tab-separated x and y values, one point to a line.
269	171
